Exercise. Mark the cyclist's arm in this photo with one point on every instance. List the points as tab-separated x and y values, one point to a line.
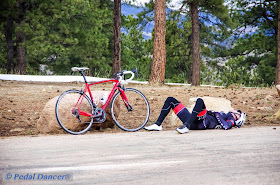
226	123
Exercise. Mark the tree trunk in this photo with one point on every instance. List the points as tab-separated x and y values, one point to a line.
117	37
277	80
157	76
195	77
21	53
10	46
20	42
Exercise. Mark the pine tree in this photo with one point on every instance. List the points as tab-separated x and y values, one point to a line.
135	52
259	45
159	56
8	16
195	70
10	45
178	30
215	8
277	80
117	37
70	33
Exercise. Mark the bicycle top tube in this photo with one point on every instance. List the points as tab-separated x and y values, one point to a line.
104	81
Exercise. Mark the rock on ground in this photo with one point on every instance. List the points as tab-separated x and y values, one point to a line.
278	89
48	122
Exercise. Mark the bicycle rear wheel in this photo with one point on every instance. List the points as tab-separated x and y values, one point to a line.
134	119
68	110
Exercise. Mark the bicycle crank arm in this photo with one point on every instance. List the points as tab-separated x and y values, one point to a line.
100	115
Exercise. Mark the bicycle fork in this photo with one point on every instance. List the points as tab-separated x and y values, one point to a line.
125	100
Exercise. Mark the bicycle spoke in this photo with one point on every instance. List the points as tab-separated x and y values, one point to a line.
69	115
136	118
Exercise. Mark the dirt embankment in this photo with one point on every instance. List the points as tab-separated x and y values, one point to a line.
21	103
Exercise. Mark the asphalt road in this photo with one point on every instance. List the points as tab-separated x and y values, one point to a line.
236	156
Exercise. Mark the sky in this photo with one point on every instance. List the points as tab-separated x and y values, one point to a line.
175	3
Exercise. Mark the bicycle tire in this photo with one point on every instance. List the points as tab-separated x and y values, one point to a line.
68	117
130	120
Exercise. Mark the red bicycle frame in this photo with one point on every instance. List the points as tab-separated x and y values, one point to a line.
87	88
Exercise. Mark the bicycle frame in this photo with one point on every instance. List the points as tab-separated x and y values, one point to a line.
116	87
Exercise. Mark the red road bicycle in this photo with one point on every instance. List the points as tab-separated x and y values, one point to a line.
76	110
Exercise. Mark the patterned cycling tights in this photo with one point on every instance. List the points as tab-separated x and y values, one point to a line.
189	119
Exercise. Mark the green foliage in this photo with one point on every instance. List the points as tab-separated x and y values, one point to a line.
178	30
135	52
235	72
177	47
73	35
257	48
63	34
266	70
238	71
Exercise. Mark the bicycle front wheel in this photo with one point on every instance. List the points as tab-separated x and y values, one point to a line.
72	112
132	115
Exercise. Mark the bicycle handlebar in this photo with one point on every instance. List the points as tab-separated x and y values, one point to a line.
121	75
129	72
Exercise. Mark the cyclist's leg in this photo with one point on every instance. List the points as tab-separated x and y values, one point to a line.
179	109
183	115
197	116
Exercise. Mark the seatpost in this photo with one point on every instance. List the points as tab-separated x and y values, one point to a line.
82	73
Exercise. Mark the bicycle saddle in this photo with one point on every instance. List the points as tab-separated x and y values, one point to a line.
79	68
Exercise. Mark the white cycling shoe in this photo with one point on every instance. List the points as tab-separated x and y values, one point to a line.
182	130
153	127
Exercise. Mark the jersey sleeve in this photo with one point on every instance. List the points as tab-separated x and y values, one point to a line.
225	123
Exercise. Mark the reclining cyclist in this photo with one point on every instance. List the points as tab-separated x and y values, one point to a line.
199	119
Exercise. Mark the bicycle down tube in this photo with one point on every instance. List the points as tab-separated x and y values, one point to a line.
116	87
